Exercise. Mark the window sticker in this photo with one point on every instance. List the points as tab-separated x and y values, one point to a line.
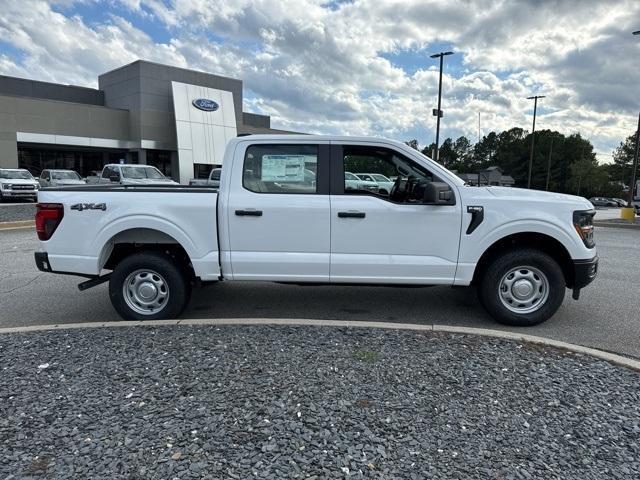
283	168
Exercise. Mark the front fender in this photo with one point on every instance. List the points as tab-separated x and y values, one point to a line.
473	246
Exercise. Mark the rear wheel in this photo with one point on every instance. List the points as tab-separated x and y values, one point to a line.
522	287
148	286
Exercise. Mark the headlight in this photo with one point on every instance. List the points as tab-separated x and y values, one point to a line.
6	186
583	223
36	186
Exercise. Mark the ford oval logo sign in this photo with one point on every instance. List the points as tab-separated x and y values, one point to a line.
205	104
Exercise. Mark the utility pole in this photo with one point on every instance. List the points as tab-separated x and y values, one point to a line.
533	133
438	112
549	164
635	163
635	157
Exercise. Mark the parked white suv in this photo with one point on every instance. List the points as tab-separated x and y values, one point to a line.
17	183
267	222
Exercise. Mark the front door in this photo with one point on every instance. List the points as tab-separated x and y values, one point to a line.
278	213
390	238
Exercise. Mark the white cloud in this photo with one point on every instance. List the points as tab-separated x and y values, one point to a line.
320	69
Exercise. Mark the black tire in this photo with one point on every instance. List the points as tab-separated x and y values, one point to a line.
489	286
170	275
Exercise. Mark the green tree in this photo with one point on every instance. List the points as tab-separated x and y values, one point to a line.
413	144
622	165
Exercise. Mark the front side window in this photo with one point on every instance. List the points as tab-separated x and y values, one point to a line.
368	170
281	168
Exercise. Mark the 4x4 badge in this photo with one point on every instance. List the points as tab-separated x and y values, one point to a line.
89	206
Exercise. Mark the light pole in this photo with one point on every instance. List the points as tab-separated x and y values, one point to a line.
635	157
533	133
438	113
635	165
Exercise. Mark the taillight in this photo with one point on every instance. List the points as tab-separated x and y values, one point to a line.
48	217
583	223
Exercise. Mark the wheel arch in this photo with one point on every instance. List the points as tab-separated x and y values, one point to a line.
536	240
140	239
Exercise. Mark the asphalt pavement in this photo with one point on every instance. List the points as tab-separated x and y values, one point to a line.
607	316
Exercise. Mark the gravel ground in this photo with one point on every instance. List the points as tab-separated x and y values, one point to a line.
309	402
21	211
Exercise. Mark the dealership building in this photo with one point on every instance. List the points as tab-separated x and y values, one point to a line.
175	119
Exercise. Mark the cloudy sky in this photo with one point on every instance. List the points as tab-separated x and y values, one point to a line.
360	67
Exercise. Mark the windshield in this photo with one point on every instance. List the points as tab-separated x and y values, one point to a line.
380	178
142	172
16	174
350	176
65	176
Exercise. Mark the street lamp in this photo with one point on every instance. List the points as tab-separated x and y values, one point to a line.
533	132
635	157
438	113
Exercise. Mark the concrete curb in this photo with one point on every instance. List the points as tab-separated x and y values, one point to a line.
631	226
485	332
17	224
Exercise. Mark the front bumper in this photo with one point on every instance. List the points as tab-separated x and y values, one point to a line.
584	272
20	193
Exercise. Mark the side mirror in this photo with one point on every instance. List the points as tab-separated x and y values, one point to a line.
438	193
115	177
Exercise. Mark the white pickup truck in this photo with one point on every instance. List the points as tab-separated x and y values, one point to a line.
521	249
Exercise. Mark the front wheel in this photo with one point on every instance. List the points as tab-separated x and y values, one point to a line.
148	286
522	287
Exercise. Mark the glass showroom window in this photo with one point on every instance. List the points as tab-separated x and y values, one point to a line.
281	168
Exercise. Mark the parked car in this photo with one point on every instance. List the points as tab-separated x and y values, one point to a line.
127	174
384	184
519	247
619	202
17	183
58	178
623	203
352	182
602	202
212	181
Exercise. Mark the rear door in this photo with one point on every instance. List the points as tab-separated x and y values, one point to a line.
278	212
390	238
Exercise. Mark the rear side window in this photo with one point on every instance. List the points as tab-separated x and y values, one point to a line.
281	169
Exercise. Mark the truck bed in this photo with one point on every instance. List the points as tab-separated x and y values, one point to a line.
98	217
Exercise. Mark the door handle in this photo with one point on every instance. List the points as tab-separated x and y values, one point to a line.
249	213
351	214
